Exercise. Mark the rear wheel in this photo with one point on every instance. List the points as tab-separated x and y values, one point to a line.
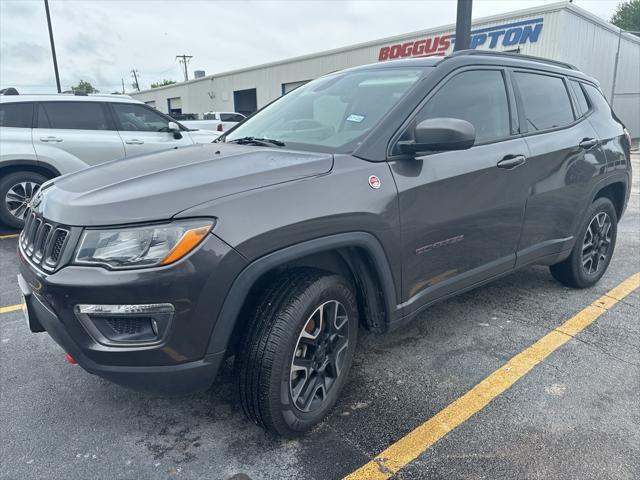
298	351
594	247
16	191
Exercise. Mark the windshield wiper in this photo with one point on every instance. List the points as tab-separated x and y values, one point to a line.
263	142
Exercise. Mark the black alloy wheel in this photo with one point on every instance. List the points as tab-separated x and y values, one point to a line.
319	356
596	243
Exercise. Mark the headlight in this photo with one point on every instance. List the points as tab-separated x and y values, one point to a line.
137	247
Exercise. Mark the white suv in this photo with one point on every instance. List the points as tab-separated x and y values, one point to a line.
43	136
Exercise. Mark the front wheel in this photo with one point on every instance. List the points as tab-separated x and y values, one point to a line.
298	350
16	191
593	249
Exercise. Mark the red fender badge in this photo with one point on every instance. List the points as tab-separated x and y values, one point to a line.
374	182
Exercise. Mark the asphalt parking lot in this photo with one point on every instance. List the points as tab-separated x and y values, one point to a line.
576	414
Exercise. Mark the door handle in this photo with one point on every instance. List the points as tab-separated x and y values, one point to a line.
50	139
134	141
588	143
512	161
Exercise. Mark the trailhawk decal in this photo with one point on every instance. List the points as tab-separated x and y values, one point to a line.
441	243
510	35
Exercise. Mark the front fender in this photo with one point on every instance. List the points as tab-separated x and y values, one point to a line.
243	283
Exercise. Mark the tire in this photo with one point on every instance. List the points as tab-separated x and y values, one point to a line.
271	395
577	270
18	184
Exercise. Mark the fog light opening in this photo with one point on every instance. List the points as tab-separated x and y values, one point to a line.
126	324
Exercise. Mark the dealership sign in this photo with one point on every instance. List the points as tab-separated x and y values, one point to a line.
510	35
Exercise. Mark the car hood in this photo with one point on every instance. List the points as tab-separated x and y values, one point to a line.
159	185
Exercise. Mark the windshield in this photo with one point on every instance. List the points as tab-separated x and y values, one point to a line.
331	113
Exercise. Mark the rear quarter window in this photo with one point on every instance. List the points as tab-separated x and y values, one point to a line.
597	98
17	115
583	103
545	101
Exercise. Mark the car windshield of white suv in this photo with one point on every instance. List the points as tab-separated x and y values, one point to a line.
329	114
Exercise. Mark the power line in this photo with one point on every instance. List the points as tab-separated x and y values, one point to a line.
184	59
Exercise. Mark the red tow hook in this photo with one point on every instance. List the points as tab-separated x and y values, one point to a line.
70	359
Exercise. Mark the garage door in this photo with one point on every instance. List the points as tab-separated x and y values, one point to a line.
175	105
287	87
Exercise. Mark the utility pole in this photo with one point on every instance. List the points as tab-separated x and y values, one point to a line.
184	59
123	92
53	46
134	73
463	25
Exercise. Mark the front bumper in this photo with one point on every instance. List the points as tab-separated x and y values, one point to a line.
196	286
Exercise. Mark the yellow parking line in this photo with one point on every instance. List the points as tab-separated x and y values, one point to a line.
13	235
409	447
10	308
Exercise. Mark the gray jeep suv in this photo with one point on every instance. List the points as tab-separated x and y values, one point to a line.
353	202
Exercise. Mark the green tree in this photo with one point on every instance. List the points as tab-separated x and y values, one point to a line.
84	87
627	16
162	83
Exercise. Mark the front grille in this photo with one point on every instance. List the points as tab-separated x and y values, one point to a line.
43	242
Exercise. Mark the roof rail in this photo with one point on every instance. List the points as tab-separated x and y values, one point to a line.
558	63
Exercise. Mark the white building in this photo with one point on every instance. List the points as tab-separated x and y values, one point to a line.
559	31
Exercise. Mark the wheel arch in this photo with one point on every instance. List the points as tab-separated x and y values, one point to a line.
12	166
358	256
615	191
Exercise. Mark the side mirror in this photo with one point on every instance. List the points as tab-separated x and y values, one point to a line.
175	129
440	134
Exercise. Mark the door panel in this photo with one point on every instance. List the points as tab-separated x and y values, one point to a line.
565	158
562	177
78	129
90	146
138	143
461	212
461	218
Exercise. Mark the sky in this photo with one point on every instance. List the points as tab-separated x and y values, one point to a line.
101	41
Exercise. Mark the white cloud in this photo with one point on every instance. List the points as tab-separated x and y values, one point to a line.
102	40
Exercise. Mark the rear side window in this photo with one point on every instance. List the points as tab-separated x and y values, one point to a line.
231	117
479	97
545	100
72	116
597	98
16	114
583	103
